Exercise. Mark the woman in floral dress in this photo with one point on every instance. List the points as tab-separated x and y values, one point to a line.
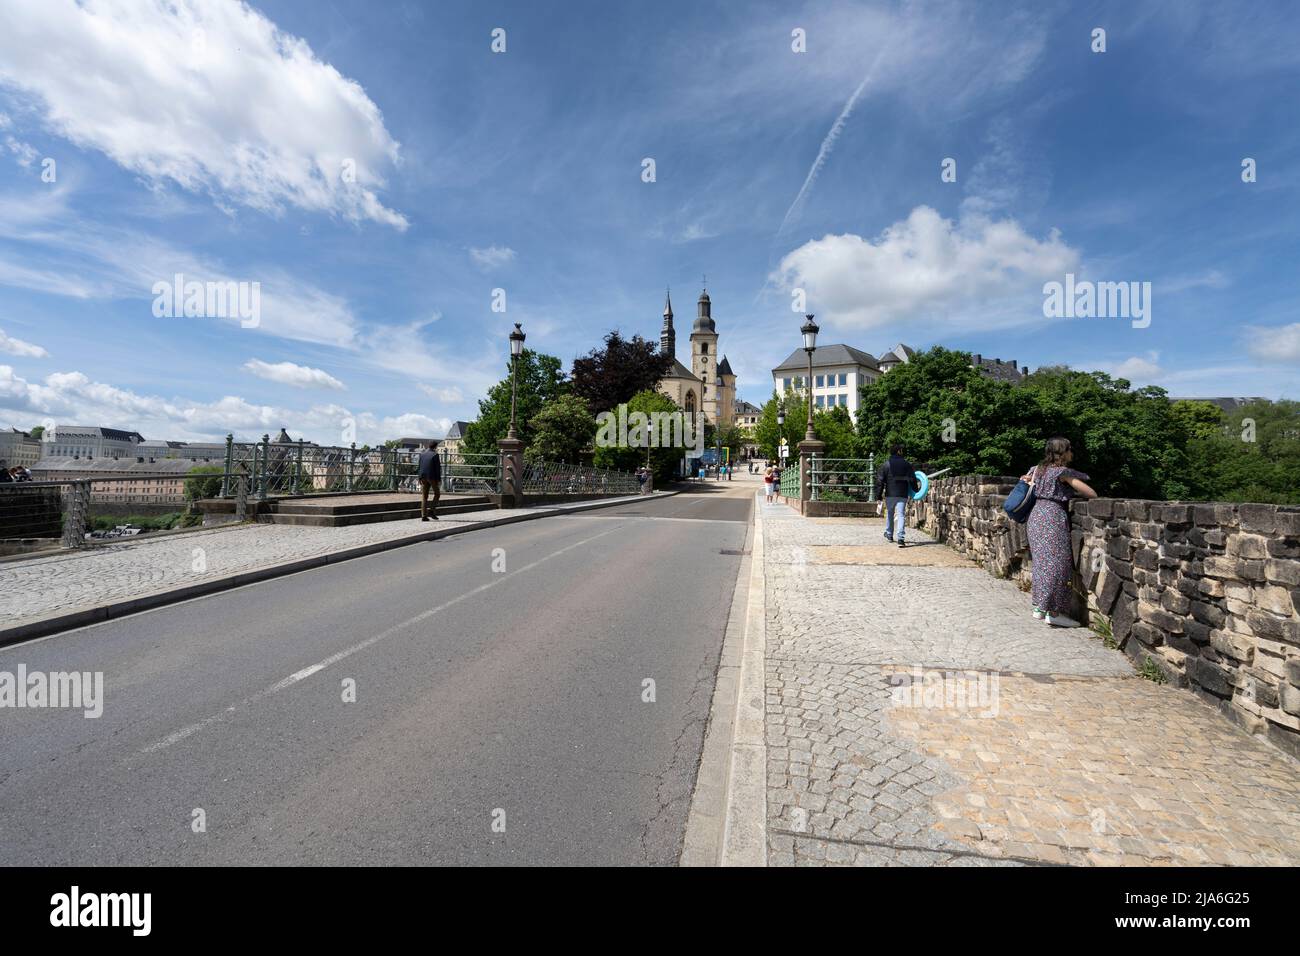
1055	483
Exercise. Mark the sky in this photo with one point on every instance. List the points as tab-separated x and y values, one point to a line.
379	170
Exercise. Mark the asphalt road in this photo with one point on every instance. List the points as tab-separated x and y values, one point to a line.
483	696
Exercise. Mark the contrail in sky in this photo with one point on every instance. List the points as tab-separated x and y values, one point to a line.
827	145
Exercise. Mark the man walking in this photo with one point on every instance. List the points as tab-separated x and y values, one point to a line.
894	485
429	471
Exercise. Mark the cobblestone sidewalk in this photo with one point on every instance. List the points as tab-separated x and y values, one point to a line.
38	587
916	714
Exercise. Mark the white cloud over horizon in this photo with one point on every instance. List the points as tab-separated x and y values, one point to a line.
18	347
206	94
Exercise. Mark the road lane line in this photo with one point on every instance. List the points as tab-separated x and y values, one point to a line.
191	729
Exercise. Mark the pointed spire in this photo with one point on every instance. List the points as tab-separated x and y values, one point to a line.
668	337
668	303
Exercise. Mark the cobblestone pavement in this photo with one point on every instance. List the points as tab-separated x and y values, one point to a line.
918	715
37	587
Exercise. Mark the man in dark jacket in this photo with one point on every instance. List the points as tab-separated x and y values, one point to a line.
894	486
429	472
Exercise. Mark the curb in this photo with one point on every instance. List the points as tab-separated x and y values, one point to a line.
45	626
744	835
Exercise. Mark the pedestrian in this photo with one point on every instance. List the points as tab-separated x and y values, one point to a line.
4	472
429	471
768	489
894	486
1054	483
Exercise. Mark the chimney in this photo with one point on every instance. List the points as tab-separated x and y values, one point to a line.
1025	370
1011	362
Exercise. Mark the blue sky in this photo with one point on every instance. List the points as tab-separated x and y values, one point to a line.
207	137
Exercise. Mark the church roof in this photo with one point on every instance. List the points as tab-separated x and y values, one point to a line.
679	370
724	367
827	355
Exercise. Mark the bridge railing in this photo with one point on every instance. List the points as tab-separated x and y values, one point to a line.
843	479
277	469
554	478
470	473
790	479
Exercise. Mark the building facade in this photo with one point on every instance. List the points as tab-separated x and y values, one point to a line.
89	441
18	448
838	372
146	482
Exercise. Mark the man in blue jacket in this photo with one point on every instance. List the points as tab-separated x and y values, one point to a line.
894	485
429	471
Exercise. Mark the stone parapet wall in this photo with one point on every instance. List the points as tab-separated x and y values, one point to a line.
1210	592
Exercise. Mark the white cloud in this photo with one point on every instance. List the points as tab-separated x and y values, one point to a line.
73	397
1143	370
451	394
19	347
287	373
1278	344
208	94
926	267
492	257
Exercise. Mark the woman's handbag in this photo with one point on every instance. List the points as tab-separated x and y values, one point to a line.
1021	500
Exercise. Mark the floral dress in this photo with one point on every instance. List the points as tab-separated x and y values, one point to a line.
1049	538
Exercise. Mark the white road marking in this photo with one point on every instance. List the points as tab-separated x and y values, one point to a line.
306	672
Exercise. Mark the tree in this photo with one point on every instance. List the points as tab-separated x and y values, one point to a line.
562	430
541	380
606	377
663	460
37	431
203	481
768	433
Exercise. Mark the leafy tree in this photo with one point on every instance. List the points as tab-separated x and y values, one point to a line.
36	431
203	481
834	426
663	461
608	376
562	430
541	380
768	433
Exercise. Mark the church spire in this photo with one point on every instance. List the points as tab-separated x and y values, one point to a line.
668	337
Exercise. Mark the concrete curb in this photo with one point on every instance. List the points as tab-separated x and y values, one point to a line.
53	624
744	835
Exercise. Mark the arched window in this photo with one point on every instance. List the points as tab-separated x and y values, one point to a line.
690	403
704	348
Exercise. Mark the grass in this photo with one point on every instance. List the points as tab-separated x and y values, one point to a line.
1151	671
1101	627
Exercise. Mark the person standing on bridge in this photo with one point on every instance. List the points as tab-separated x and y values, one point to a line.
429	471
894	486
769	483
1049	529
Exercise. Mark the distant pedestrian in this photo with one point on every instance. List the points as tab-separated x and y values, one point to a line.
429	471
1049	529
769	483
4	472
894	486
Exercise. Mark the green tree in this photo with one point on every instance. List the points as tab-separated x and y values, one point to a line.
562	430
203	481
37	431
607	376
768	433
541	380
663	460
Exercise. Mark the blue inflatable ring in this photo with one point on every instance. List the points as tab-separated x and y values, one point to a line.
925	486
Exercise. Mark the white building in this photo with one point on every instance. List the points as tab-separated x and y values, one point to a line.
17	448
89	441
838	372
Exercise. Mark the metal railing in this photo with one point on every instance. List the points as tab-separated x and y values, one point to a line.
552	478
278	469
468	473
790	479
45	510
843	479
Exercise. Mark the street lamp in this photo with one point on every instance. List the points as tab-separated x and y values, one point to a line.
516	349
810	331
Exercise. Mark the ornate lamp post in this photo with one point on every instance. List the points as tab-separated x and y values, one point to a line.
809	331
780	429
511	460
516	349
810	447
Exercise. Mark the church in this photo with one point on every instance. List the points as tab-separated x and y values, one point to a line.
709	385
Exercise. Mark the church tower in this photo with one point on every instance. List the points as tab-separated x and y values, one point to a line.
704	357
668	337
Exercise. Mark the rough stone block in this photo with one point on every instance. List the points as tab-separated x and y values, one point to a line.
1236	646
1209	677
1261	518
1278	571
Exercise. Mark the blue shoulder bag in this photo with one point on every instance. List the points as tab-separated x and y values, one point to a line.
1021	500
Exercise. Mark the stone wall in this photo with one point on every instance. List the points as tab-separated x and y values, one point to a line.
1210	592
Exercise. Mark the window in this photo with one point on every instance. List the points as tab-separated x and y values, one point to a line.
844	378
690	403
704	348
819	381
821	401
844	400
